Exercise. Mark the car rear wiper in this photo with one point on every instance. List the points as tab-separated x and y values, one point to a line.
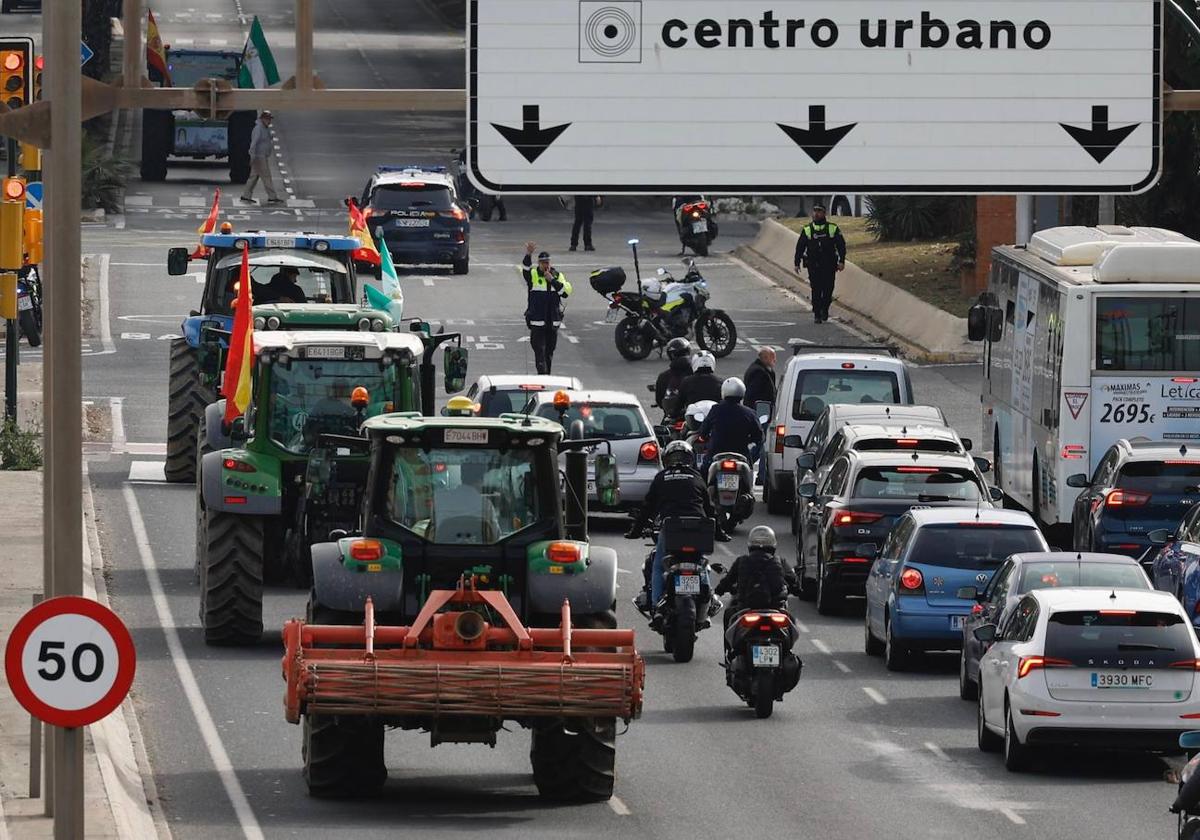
926	497
1142	646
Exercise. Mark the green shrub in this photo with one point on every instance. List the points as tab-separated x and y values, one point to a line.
904	218
19	450
104	176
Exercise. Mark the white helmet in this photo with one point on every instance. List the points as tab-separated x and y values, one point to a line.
651	288
733	388
702	360
763	537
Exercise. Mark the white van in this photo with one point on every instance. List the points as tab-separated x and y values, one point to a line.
813	380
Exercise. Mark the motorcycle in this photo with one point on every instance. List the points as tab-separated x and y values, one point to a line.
760	666
731	486
694	223
662	309
1187	801
29	304
687	604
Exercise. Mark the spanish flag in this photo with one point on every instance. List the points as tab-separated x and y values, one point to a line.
210	224
367	252
236	386
156	55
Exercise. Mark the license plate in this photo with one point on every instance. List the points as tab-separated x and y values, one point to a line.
699	227
764	656
412	223
281	242
957	622
325	352
687	584
728	481
1122	680
24	302
476	437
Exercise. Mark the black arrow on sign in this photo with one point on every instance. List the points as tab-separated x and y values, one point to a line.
817	141
531	140
1099	141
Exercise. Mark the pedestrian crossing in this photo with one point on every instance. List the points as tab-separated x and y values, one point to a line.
199	202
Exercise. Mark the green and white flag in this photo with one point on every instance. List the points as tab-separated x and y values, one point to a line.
391	299
258	65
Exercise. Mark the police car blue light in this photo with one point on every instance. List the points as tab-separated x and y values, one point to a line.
260	240
411	167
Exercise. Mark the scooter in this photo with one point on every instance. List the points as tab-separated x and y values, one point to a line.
695	224
731	486
1187	802
29	304
760	665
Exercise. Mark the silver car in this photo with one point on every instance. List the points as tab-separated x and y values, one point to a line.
509	393
614	416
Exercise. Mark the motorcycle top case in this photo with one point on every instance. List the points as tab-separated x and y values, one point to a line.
690	532
607	280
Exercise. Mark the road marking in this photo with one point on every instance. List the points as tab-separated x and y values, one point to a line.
1013	816
428	281
618	807
187	677
147	472
106	338
116	408
192	201
821	646
801	626
841	666
936	750
874	695
146	449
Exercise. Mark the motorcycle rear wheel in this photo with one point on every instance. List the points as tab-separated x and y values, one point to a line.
27	320
632	342
764	693
716	332
685	629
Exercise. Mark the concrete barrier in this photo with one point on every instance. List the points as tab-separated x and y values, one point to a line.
868	303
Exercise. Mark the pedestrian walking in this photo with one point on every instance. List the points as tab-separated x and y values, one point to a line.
260	162
489	203
585	213
546	288
822	250
760	379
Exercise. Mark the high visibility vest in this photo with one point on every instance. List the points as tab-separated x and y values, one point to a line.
544	306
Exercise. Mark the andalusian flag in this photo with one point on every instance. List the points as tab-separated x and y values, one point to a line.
156	55
366	252
210	224
238	364
258	65
391	299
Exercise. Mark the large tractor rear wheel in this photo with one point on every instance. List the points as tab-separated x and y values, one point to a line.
575	762
187	397
231	579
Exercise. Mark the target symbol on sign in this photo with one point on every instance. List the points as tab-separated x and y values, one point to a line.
610	31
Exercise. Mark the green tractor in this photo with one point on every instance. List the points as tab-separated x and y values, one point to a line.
459	511
324	270
268	486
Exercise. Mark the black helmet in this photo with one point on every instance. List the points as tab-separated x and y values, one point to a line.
677	348
679	453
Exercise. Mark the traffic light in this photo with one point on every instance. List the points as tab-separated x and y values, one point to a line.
16	71
12	223
38	64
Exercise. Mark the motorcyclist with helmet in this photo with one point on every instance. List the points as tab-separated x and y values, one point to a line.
666	388
758	579
703	384
677	490
731	426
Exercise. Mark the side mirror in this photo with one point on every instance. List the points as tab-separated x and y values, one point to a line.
967	593
985	633
807	490
237	430
995	324
1160	537
867	550
663	434
454	367
977	322
794	442
177	261
996	494
805	460
608	483
719	568
1078	480
983	464
968	444
419	327
1190	740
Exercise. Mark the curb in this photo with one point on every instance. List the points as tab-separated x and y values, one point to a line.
925	332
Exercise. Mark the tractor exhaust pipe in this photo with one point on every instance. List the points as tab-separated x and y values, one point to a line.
577	498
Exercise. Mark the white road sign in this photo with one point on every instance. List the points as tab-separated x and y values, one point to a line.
778	96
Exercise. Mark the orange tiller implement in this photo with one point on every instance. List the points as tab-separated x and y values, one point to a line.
456	663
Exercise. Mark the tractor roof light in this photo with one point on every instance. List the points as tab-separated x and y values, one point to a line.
562	400
360	397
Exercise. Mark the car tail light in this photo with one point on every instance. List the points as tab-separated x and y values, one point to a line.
1125	498
1124	613
1026	665
1040	713
1192	716
563	552
1073	452
907	441
750	619
235	500
648	451
847	365
238	466
1187	664
366	550
925	470
977	609
1179	462
1185	380
456	213
912	580
413	185
729	465
856	560
856	517
780	434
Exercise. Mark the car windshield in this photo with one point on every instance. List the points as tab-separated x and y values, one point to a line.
1059	573
1082	638
966	545
1163	477
917	444
600	420
427	197
313	398
933	484
495	403
1147	333
465	496
320	280
816	389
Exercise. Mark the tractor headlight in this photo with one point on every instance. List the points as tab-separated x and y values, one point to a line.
377	325
364	324
259	322
273	322
322	245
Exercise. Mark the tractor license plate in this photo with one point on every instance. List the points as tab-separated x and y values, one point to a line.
700	227
687	584
24	302
612	316
281	242
325	352
411	223
728	481
474	437
765	656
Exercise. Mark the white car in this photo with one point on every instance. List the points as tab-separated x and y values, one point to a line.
1101	668
510	393
617	417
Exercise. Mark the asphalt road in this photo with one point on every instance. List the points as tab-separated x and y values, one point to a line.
853	752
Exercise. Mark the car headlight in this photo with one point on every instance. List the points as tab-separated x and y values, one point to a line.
377	325
259	322
364	324
273	322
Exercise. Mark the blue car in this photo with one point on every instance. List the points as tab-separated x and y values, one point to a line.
417	212
913	599
1175	562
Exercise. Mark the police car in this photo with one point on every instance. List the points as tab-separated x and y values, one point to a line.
417	212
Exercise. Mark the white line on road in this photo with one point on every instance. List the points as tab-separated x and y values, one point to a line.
822	647
116	407
1013	816
187	677
801	626
618	807
874	695
106	338
936	750
427	281
841	666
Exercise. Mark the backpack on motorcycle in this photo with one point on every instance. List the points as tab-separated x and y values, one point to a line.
607	280
693	533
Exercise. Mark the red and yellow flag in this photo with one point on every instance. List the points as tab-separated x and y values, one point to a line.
156	55
366	252
236	386
210	224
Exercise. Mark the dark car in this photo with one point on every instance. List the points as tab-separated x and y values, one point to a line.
1138	487
851	513
1176	552
1023	573
417	212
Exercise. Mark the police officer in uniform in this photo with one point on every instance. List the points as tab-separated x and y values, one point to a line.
547	289
822	249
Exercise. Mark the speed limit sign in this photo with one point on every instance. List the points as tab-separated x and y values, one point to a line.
70	661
